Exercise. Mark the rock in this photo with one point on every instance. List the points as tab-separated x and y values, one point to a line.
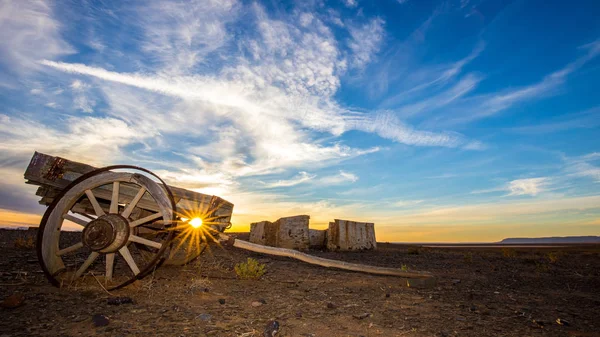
331	305
362	316
262	300
204	317
119	300
100	320
460	318
387	295
256	304
13	301
299	314
271	329
455	281
221	301
560	321
473	308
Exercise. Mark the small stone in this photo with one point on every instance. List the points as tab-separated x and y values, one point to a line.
331	305
362	316
473	308
262	300
256	304
100	320
271	329
13	301
457	281
299	314
560	321
221	301
387	295
204	317
460	318
119	300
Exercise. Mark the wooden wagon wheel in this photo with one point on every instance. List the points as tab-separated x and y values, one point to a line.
94	202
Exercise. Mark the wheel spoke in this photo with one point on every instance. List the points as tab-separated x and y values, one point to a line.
129	259
150	243
133	203
79	221
86	264
145	219
110	262
69	249
99	211
114	201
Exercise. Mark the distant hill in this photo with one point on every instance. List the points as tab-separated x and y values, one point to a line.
553	239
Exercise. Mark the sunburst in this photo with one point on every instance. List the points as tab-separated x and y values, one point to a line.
195	226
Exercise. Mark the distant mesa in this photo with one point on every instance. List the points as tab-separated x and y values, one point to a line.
553	239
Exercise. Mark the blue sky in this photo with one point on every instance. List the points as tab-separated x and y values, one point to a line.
437	120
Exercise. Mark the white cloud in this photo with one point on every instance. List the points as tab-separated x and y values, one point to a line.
97	141
486	105
407	203
182	34
583	166
526	186
81	101
302	177
365	42
529	186
29	33
341	178
351	3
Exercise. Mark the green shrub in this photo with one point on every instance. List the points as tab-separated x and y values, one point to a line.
404	267
250	270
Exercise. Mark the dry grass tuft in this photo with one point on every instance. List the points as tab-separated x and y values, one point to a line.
509	252
24	243
553	257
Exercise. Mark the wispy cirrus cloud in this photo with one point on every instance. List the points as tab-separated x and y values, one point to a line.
525	186
29	32
584	166
302	177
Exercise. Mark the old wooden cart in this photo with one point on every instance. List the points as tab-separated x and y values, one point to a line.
127	216
129	222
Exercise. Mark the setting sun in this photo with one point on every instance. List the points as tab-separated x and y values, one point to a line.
196	222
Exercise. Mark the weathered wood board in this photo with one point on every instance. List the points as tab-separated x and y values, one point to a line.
289	232
346	235
53	174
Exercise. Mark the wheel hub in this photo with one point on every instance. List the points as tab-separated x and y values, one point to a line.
106	234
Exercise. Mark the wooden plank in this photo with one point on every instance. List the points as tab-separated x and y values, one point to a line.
53	174
327	262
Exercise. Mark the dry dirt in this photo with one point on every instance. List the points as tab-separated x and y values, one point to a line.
479	292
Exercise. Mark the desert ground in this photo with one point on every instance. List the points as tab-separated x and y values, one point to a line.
480	291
